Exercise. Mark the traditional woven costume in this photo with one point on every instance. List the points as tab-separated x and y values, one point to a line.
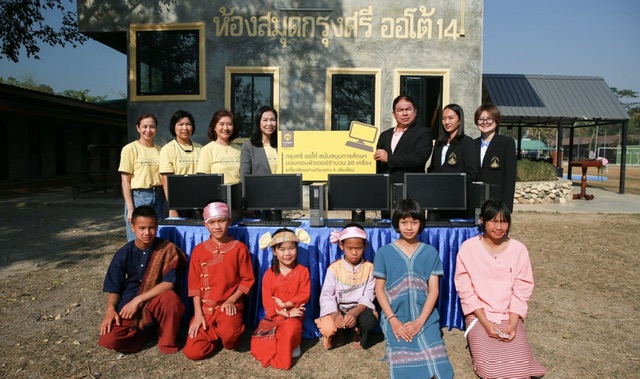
407	286
500	284
215	273
345	287
134	271
273	342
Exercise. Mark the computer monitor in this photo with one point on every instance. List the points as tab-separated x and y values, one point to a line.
358	193
272	192
193	192
437	191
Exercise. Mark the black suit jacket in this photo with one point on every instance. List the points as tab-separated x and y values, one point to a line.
411	153
461	157
499	167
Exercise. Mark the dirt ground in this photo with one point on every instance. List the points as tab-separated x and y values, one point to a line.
582	321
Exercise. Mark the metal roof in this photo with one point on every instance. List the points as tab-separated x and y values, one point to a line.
539	99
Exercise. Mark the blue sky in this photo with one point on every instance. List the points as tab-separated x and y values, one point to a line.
552	37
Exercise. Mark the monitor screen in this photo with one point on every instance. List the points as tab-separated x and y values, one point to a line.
358	192
266	192
437	191
188	192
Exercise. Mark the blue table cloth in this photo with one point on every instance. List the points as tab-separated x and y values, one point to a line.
318	255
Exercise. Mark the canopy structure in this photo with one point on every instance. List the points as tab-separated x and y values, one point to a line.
551	101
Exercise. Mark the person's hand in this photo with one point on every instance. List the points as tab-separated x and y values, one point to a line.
381	155
297	312
349	320
129	214
413	327
198	321
173	213
110	316
492	330
279	303
129	310
399	330
338	319
229	308
511	331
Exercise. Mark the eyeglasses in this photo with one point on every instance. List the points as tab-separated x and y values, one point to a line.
486	120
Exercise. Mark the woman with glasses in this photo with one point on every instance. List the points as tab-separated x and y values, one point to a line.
497	155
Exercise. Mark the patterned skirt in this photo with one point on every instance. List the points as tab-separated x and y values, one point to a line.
493	358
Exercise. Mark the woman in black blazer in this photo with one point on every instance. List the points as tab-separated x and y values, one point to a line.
497	155
454	151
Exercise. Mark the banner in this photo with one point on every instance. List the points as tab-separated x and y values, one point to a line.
316	154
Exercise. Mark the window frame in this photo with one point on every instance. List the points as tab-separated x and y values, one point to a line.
328	105
229	71
133	66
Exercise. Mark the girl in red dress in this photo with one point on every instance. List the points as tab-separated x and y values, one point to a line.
286	288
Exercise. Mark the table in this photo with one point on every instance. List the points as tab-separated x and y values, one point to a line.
585	164
319	254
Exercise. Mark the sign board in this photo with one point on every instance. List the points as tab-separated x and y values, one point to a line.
316	154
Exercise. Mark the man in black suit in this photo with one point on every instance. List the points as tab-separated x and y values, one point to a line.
405	148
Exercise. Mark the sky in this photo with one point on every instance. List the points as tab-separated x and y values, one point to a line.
548	37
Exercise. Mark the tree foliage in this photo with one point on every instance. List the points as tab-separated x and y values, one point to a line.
29	83
24	26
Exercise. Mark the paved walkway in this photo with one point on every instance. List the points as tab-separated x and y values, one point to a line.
604	201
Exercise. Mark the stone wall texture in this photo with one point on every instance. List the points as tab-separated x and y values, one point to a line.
556	192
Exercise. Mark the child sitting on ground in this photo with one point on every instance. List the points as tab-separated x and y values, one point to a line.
220	273
346	299
407	275
141	280
495	281
286	288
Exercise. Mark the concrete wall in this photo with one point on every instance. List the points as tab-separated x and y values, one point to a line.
388	38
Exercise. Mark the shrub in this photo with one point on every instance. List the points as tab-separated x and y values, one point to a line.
530	171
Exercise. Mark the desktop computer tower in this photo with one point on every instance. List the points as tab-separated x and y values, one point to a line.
397	195
232	195
478	193
317	204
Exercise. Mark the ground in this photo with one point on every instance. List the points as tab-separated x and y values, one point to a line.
582	321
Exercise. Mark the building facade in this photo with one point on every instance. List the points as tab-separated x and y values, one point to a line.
321	64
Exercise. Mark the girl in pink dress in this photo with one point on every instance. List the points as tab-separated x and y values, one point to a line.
494	281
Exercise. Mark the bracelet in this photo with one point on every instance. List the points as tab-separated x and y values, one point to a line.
389	318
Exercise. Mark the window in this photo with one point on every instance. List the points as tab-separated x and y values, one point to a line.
352	95
250	88
429	89
167	62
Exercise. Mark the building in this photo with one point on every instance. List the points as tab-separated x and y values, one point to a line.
321	64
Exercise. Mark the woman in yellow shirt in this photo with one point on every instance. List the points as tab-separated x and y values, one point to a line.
140	172
221	156
180	156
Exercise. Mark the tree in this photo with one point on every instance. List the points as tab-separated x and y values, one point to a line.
27	82
82	95
24	26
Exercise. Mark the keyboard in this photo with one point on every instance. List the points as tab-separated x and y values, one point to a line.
366	224
271	223
181	221
447	224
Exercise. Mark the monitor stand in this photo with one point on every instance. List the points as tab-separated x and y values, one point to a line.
433	216
271	215
358	216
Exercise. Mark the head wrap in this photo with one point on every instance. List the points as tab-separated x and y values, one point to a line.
350	232
300	235
216	210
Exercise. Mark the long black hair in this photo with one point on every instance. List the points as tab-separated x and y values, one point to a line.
443	136
256	136
275	264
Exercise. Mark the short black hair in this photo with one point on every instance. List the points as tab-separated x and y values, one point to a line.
492	209
179	115
143	211
408	208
